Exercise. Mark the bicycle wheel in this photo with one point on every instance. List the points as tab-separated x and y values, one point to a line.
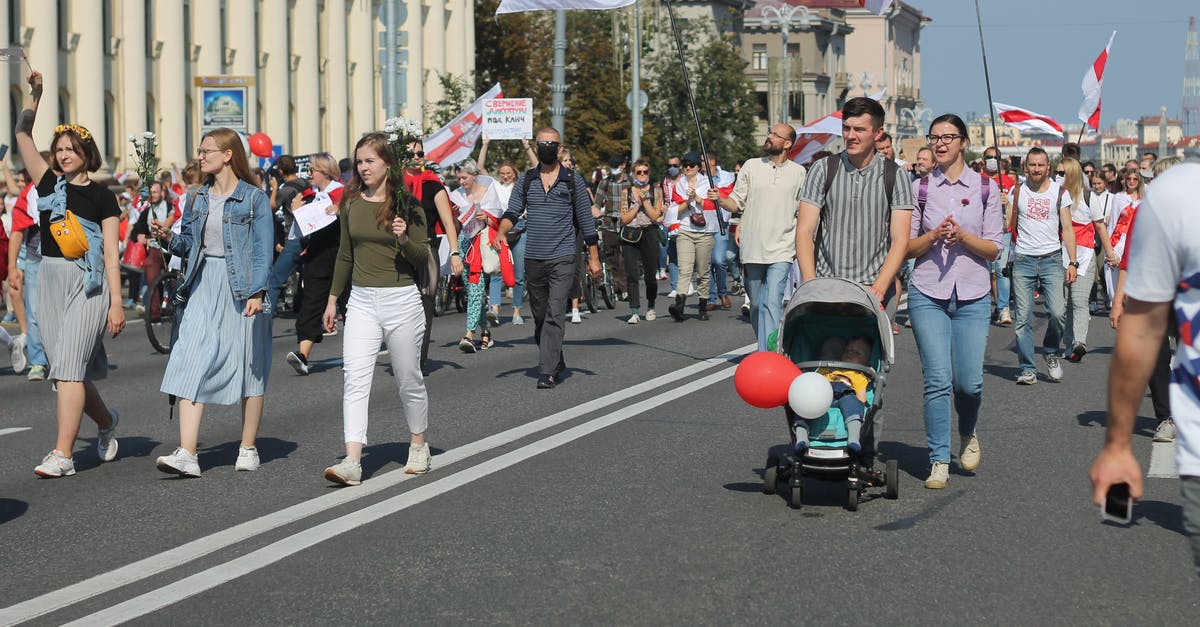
606	286
441	299
161	329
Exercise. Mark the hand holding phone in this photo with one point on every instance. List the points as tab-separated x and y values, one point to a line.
1118	506
3	151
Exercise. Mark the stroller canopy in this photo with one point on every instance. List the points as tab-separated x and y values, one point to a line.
843	297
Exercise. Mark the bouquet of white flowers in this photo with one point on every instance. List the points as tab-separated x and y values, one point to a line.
400	133
145	161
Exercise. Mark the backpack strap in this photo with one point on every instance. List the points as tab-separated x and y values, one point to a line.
922	198
890	167
833	163
985	190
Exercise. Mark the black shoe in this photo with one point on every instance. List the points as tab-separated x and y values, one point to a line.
1077	354
676	310
561	368
703	307
547	381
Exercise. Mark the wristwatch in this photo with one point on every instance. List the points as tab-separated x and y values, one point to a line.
1074	264
456	253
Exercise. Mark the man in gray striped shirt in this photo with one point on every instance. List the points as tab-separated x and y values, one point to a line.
851	228
555	202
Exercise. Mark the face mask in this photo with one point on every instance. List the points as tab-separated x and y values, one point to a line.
617	171
1058	179
1146	174
673	171
637	183
547	155
992	164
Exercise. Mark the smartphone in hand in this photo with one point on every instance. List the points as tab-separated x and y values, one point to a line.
3	151
1118	507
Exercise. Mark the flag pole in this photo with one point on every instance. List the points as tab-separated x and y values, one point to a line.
712	183
987	78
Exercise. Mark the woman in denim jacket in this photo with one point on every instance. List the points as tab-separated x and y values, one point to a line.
223	353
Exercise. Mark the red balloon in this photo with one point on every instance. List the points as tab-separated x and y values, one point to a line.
763	378
260	145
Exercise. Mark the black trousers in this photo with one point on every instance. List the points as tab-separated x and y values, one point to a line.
1160	381
548	287
317	275
646	251
427	305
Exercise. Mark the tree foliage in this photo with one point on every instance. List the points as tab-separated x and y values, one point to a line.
456	96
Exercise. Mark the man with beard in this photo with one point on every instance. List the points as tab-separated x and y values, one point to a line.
924	163
555	202
767	194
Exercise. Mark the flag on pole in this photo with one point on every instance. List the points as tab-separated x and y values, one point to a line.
518	6
13	54
819	134
875	6
1028	121
1093	79
456	141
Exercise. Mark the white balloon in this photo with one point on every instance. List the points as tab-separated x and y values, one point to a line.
810	395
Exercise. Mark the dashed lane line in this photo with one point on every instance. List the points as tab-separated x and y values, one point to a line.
1162	461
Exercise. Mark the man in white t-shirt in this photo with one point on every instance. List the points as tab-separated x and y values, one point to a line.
1163	270
1043	211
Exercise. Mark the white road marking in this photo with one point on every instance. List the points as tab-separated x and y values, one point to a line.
183	554
1162	461
272	553
9	430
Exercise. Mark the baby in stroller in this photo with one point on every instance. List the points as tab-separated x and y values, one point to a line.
849	388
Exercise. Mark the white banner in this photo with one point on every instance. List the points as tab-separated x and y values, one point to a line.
517	6
455	141
508	118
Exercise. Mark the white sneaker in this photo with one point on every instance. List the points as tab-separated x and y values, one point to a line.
746	307
575	317
1053	367
247	458
968	457
650	315
938	476
1165	432
55	464
633	319
180	463
19	361
419	460
346	472
37	373
517	320
106	444
672	294
691	289
1028	377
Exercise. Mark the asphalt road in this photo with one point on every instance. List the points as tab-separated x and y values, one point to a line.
630	494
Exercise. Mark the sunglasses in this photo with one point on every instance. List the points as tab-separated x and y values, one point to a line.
419	153
690	165
1060	172
545	143
641	171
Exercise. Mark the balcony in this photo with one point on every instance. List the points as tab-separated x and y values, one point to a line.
841	80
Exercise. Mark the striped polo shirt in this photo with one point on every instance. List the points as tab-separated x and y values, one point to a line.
854	234
550	223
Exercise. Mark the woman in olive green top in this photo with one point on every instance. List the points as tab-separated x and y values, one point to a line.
378	253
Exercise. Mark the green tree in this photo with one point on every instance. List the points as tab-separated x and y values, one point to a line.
456	96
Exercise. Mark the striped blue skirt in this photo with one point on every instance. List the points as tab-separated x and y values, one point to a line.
220	356
72	323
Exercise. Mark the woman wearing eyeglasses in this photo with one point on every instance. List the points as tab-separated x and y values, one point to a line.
697	220
639	238
1120	219
223	353
957	230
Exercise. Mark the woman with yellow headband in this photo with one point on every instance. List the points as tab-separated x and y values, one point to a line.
80	286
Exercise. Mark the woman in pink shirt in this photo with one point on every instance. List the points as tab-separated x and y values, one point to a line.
957	230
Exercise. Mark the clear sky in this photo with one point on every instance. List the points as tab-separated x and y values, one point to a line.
1038	51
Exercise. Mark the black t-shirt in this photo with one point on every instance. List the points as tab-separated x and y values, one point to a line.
429	191
91	202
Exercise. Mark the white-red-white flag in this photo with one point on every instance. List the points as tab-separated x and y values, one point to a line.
456	141
819	134
875	6
1093	80
1028	121
517	6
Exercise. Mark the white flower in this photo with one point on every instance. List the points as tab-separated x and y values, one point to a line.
148	135
392	137
132	139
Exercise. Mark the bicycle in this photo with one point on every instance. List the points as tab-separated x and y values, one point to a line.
161	329
603	285
450	289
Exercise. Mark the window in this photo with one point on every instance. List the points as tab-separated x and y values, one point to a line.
763	109
759	57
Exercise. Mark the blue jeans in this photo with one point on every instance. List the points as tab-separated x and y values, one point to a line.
765	283
673	265
1027	273
720	266
33	333
1003	283
496	282
662	251
285	264
954	365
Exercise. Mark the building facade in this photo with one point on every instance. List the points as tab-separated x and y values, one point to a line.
305	72
883	53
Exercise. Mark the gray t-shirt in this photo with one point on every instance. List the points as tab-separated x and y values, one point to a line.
214	242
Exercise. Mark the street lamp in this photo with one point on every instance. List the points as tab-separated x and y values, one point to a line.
915	117
804	20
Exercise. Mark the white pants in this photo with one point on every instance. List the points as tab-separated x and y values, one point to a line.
392	315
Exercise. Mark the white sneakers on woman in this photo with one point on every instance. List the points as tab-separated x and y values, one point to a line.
181	462
55	464
419	460
106	444
346	472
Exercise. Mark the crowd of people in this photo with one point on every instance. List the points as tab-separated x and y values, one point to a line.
972	243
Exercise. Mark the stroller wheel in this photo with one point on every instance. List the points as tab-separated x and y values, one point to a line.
852	498
892	480
771	475
796	497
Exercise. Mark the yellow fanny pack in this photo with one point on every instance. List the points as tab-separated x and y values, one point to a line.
68	233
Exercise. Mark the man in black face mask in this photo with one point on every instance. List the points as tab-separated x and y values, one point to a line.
547	195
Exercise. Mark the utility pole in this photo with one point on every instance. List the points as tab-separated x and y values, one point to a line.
558	87
636	89
390	104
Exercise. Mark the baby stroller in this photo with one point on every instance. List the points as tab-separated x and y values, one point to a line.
820	309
